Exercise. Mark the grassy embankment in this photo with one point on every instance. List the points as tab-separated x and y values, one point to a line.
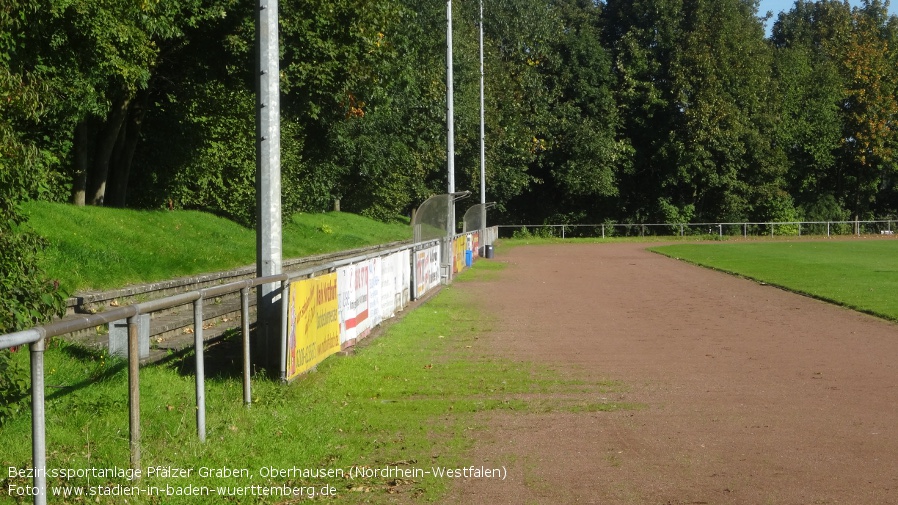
103	248
406	399
858	274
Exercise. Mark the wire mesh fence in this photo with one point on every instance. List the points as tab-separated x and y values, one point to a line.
710	230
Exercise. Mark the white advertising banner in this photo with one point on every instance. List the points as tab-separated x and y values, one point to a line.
427	270
405	270
362	319
345	297
352	288
375	288
388	285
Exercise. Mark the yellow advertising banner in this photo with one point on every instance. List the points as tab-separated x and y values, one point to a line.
314	326
458	254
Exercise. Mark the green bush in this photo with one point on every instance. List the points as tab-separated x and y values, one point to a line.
14	378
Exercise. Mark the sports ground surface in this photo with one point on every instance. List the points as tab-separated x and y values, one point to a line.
749	394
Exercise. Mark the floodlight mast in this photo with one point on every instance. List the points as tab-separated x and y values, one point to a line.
482	135
270	350
450	140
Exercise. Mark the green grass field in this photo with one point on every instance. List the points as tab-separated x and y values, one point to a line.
859	274
408	399
103	248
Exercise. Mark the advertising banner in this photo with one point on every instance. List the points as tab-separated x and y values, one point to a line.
405	270
427	270
388	286
314	326
375	288
458	254
352	288
362	314
345	297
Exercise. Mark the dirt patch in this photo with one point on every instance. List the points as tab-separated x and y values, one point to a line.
751	394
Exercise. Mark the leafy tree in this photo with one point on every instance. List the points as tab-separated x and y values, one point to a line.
578	151
693	79
870	107
26	298
848	81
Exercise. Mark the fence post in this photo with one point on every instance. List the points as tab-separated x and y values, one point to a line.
200	369
134	391
744	230
38	422
799	229
603	231
720	230
285	314
827	229
771	230
244	314
562	232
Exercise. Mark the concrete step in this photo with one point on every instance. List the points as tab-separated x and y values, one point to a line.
171	330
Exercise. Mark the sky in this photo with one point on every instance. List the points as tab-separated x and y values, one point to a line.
776	6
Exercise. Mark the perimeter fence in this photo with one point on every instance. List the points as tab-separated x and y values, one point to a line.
710	230
329	307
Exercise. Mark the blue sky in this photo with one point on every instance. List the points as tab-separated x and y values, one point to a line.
783	5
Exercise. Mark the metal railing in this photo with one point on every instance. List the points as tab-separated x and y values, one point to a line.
36	339
720	229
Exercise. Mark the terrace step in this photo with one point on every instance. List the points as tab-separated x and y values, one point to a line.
171	330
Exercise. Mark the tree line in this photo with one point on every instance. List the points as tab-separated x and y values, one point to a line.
617	110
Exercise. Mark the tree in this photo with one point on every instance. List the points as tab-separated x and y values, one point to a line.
579	153
850	85
870	107
809	87
693	79
26	298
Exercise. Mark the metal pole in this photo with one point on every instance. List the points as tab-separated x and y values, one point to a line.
482	135
38	422
200	369
134	391
244	314
603	231
450	140
268	178
285	313
827	228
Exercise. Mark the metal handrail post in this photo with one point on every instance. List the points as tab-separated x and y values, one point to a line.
200	369
285	302
134	392
244	314
38	422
